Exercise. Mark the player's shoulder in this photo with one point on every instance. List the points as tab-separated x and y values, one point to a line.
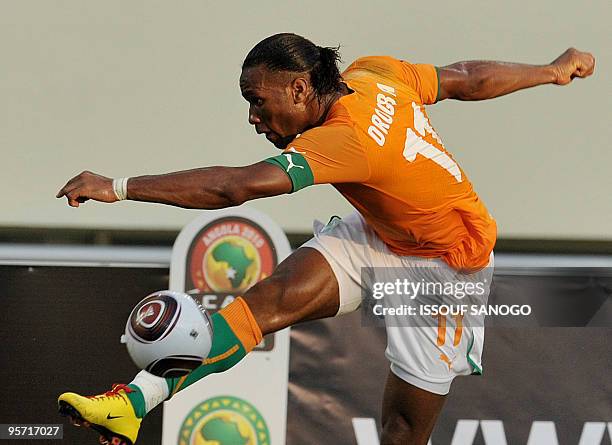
374	61
420	80
386	66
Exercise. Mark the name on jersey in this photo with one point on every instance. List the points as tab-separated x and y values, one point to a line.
382	118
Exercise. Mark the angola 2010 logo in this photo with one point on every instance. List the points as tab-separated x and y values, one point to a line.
228	256
225	258
224	420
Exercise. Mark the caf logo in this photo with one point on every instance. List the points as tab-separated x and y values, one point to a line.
224	420
229	255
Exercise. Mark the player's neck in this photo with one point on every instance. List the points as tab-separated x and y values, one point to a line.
327	102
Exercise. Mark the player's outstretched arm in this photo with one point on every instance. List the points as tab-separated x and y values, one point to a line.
202	188
479	80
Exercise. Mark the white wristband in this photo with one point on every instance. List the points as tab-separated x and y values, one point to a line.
120	188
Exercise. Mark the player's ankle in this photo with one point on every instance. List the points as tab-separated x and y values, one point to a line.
148	392
137	400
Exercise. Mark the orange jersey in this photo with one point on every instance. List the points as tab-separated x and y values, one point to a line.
379	150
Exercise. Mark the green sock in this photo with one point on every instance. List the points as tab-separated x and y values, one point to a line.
226	351
137	400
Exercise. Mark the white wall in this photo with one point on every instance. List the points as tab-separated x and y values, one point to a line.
128	88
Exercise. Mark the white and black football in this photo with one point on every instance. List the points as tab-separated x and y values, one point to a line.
168	334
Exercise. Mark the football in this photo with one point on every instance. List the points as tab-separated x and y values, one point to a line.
168	334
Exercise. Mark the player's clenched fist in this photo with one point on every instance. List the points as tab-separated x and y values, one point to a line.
88	185
572	63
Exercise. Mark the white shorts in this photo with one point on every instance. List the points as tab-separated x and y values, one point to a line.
431	354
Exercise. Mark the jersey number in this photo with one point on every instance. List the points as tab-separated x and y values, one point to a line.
442	329
415	144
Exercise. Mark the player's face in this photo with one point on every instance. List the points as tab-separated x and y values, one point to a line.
277	103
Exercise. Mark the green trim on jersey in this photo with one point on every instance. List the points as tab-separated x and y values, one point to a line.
296	167
476	368
438	78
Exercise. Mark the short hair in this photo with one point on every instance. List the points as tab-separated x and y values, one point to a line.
294	53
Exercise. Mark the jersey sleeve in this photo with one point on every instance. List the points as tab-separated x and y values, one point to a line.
324	155
423	79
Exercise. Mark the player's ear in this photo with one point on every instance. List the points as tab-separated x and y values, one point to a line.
300	88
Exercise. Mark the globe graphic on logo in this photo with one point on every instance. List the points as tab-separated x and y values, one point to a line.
224	420
224	427
231	264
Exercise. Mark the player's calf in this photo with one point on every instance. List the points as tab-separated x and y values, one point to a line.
409	413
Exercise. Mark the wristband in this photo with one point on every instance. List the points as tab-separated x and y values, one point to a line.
120	188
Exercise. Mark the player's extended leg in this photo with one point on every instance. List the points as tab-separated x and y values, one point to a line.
303	287
408	413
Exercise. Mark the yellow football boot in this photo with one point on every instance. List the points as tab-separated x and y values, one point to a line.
111	414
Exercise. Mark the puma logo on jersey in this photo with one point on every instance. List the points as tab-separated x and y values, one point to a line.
291	164
446	360
383	114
